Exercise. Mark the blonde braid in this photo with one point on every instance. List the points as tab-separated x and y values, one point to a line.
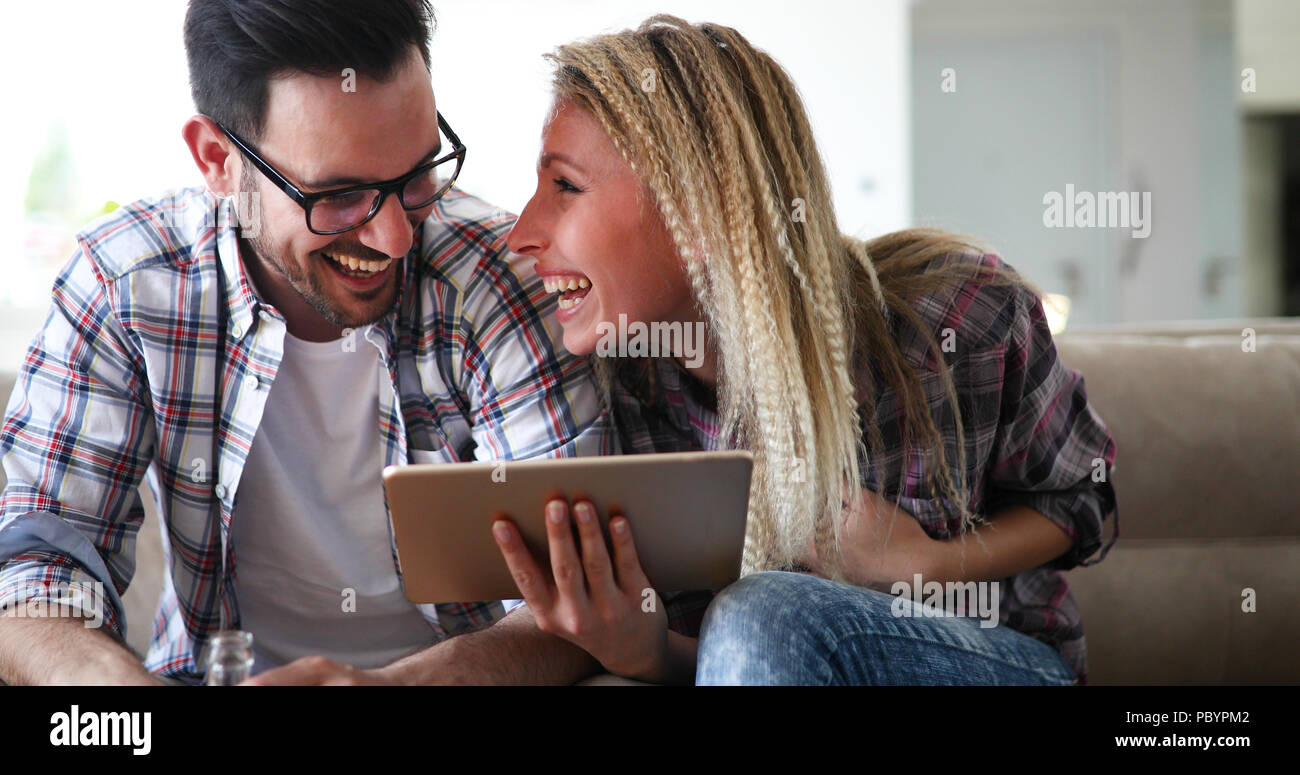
825	303
764	370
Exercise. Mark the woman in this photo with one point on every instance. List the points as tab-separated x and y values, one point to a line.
679	182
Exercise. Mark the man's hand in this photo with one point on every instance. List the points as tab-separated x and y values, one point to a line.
511	652
319	671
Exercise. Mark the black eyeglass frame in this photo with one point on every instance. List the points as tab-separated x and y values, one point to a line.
308	200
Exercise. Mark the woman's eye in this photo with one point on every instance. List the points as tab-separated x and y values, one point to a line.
566	187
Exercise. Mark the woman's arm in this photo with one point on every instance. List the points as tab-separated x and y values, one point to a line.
881	546
1014	540
1047	477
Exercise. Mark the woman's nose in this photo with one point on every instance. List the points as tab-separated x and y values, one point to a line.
526	237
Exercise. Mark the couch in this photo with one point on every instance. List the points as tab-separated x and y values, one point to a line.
1208	436
1207	431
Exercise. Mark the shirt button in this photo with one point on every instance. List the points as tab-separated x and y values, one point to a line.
250	382
237	331
221	491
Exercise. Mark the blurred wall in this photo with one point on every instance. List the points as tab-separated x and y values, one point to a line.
1268	37
1104	97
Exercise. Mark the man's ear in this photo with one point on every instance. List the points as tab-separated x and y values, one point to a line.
214	154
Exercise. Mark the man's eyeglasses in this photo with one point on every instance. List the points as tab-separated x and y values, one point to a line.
342	209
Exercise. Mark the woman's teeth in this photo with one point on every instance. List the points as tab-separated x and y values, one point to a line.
560	284
572	289
360	265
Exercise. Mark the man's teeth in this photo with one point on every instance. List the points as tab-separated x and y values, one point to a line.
561	284
359	265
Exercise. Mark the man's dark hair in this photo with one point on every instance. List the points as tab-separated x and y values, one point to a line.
234	48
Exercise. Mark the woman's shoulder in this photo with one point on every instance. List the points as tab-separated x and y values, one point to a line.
984	305
657	407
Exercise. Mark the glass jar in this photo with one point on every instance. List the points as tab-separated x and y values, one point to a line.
230	658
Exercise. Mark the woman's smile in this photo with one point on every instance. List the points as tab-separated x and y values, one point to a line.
572	287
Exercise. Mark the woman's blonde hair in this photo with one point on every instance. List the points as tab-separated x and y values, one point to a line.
717	132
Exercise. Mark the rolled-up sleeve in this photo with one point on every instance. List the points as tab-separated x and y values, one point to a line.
1053	453
50	563
76	441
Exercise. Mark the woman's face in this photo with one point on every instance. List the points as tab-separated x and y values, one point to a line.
594	228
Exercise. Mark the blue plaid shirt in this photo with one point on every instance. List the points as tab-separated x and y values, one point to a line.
157	357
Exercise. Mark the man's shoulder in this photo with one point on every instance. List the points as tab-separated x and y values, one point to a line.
154	232
464	252
462	210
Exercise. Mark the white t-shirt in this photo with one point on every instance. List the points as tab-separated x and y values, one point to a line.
309	528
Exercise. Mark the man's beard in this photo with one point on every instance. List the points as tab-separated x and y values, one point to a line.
308	284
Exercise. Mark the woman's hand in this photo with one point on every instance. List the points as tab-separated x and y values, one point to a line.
881	544
607	609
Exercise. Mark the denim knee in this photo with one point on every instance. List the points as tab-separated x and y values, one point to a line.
769	598
757	618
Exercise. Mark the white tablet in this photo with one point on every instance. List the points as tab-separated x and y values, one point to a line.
687	511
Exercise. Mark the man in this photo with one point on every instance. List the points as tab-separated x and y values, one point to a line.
329	305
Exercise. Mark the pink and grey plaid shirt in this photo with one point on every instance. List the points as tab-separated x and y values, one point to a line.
1032	439
157	357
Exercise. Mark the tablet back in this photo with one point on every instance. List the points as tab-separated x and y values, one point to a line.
687	511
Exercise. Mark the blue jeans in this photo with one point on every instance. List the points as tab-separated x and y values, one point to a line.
779	628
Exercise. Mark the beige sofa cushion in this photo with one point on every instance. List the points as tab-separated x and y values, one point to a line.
1208	436
1208	451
